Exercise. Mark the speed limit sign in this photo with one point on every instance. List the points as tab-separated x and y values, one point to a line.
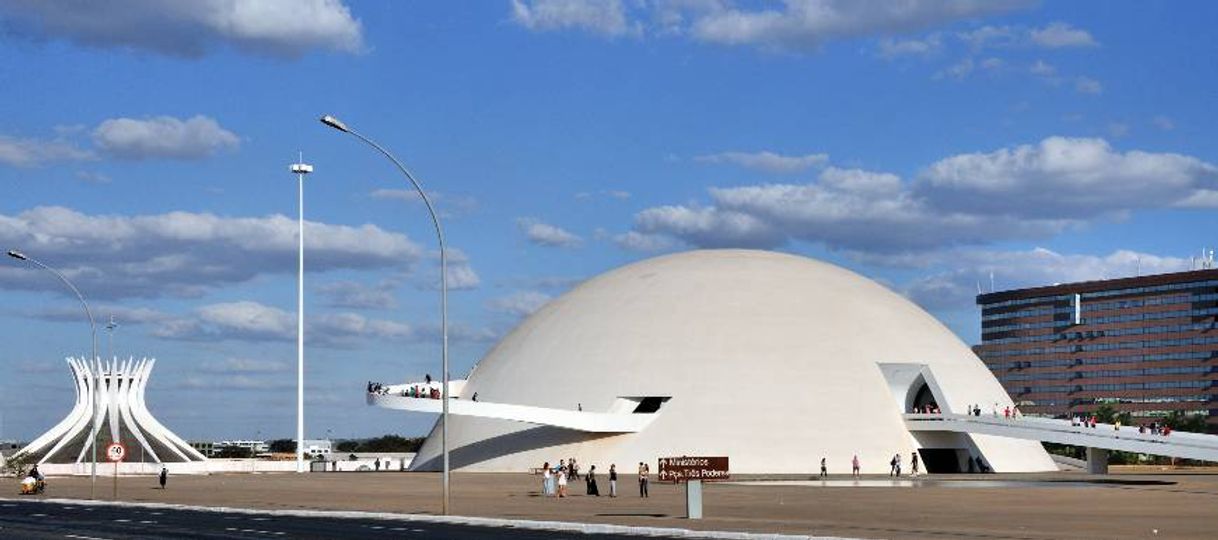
116	452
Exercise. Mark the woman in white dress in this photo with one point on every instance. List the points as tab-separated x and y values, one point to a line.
562	482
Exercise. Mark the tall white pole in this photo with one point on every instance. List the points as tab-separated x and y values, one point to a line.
301	169
435	220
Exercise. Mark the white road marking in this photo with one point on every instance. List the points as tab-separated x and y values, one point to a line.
38	515
78	537
122	521
147	522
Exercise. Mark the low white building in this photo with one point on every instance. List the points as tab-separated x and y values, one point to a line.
321	447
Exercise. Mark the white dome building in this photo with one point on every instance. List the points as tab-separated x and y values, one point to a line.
773	360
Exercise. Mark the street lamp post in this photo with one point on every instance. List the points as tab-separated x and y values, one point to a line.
95	361
435	219
301	169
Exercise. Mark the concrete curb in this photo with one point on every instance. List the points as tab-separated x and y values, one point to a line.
563	526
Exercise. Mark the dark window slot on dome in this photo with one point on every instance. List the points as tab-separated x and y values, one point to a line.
650	404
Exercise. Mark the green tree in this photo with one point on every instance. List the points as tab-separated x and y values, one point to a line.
16	463
283	446
347	446
237	452
1107	414
1180	421
391	443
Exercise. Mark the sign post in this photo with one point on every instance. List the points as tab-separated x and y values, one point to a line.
692	471
115	452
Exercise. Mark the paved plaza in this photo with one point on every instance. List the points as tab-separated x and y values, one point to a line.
1133	503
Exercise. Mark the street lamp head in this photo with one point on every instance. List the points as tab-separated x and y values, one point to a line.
17	255
301	168
335	123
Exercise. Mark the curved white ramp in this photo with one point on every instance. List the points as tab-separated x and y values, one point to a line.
391	397
1127	439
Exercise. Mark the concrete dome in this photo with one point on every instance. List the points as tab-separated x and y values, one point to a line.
772	359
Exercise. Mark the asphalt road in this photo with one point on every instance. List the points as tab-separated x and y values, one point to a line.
38	520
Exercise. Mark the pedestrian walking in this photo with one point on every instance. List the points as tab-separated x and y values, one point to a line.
613	480
546	477
854	466
590	478
913	463
824	471
164	476
562	483
892	465
644	470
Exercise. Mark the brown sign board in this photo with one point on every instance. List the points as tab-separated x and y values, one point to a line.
680	469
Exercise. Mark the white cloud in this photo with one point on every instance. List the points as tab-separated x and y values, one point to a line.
957	71
191	29
766	161
256	322
617	194
1053	36
1087	85
544	234
607	17
1118	129
1025	192
1060	34
992	63
447	205
183	253
809	23
956	286
350	294
519	303
708	227
637	241
163	137
460	274
1064	178
1042	69
895	48
990	37
795	25
20	152
234	366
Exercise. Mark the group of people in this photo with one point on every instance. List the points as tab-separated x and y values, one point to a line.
929	408
1008	411
415	391
422	392
554	479
1155	428
1084	421
895	465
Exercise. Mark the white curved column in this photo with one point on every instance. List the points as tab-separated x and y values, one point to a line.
128	397
155	427
66	427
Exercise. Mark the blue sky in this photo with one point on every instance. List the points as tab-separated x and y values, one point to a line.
927	145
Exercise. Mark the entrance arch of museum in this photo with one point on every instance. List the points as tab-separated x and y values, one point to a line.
913	387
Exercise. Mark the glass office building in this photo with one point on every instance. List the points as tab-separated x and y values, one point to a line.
1147	345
